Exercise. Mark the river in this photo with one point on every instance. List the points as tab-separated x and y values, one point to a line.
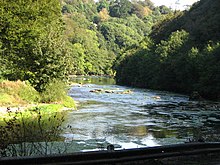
132	118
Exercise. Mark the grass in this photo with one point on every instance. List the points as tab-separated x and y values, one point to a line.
15	93
6	99
22	95
18	93
31	113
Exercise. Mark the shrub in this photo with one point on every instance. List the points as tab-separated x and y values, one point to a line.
55	91
28	93
31	132
69	102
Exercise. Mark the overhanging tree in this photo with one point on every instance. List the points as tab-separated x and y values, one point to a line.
32	42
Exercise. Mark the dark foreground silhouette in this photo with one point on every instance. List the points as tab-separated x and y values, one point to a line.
188	153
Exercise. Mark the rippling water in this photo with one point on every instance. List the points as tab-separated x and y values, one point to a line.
138	119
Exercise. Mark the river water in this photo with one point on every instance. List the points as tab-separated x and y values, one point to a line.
132	118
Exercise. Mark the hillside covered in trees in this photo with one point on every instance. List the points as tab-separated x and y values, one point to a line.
181	54
98	32
45	40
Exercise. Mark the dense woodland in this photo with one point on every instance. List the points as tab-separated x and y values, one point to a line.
138	43
181	54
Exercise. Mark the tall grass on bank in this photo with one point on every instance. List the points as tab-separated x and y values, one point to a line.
18	93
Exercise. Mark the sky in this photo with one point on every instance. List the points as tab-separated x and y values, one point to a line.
171	3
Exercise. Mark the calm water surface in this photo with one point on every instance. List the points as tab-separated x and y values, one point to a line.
142	118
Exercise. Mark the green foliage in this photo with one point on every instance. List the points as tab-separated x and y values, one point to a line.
88	52
160	31
209	70
32	43
55	91
28	94
120	8
78	53
172	45
44	109
117	25
68	9
140	11
22	93
102	4
136	67
6	99
88	8
120	35
39	45
181	59
147	3
201	21
22	133
69	102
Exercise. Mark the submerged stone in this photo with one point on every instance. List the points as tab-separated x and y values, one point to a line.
213	120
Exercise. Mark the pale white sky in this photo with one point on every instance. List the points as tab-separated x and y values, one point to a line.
172	3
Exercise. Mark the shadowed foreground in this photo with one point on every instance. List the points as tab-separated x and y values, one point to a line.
189	153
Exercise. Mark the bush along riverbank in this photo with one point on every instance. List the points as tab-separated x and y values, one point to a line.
30	120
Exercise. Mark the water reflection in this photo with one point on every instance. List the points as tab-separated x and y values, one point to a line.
32	132
99	80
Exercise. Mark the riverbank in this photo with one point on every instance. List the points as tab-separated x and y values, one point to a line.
21	94
29	119
5	110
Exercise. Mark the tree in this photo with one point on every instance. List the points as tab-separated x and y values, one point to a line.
119	35
120	8
103	14
147	3
208	61
86	7
140	11
88	51
32	43
137	66
169	48
102	4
